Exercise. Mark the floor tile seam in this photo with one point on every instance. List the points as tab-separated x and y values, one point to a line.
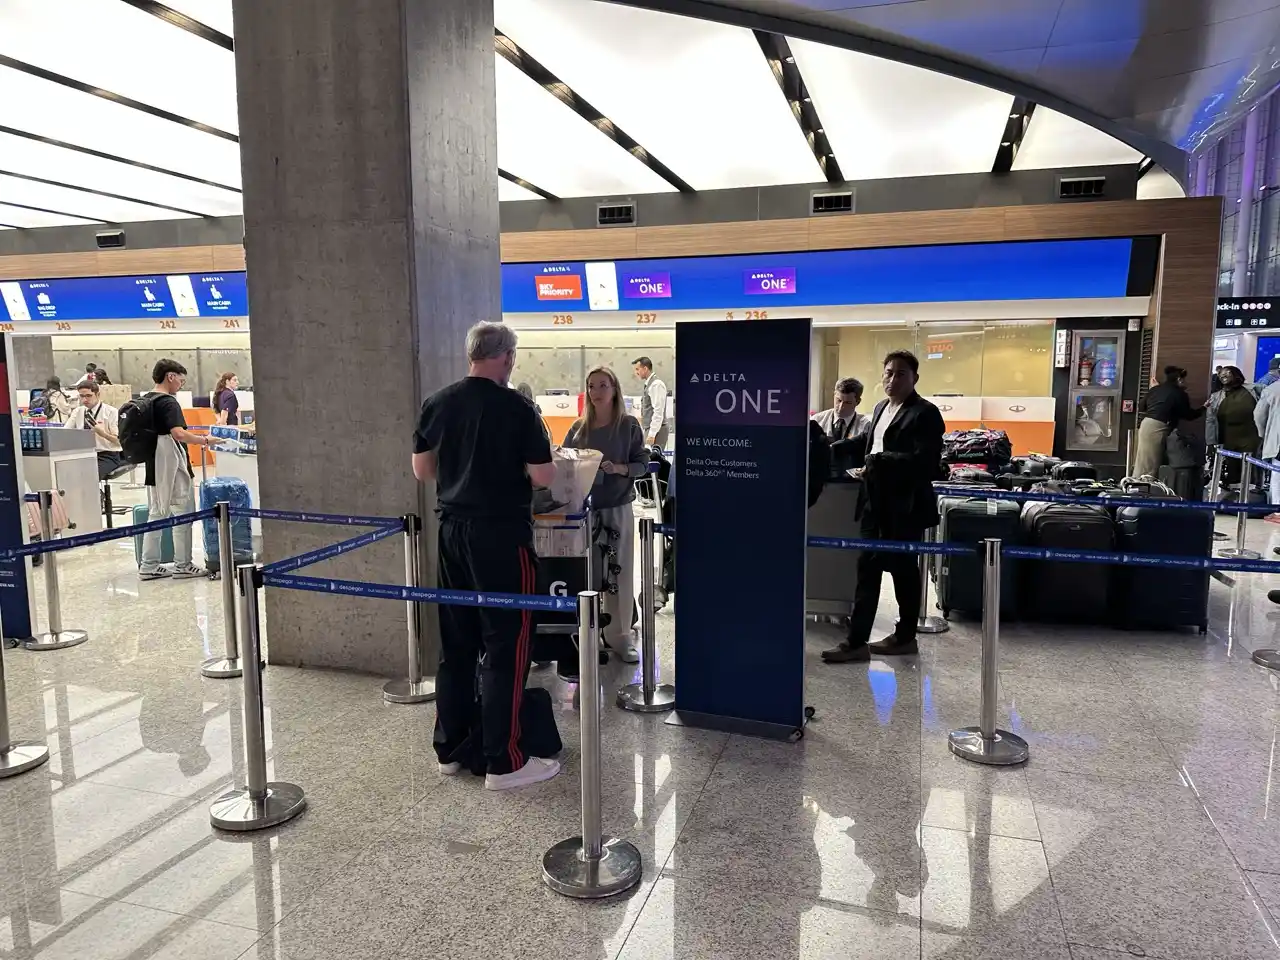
165	910
1053	887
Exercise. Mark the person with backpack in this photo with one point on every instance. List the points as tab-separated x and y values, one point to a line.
154	432
53	404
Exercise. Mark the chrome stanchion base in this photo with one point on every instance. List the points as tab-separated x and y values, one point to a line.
565	870
932	625
1219	535
1003	750
631	697
236	810
221	668
22	755
1233	554
56	641
406	691
1267	658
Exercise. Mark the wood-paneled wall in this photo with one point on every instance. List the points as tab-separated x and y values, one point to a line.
1182	312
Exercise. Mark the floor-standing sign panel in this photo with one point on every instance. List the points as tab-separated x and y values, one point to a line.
742	433
15	607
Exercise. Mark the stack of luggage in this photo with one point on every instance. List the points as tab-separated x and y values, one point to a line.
990	449
1097	519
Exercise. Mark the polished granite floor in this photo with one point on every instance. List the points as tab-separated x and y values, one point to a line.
1141	826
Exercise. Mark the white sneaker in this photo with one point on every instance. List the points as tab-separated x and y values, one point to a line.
535	770
451	769
627	652
159	573
187	571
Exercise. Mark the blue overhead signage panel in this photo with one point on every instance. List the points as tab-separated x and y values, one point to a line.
125	298
1035	270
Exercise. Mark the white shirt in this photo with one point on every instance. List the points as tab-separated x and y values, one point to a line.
657	391
103	413
882	425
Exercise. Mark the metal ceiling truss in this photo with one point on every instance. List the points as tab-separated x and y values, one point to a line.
783	64
522	182
510	51
183	22
101	193
56	213
1014	132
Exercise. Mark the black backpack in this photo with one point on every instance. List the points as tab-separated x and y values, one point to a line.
138	429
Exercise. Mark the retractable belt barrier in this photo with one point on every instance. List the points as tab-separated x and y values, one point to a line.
308	517
116	533
391	591
329	552
1264	464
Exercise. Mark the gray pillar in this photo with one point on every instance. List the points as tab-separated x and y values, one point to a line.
369	149
1202	176
1244	209
33	361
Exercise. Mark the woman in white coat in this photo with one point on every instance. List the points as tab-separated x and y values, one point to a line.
1267	418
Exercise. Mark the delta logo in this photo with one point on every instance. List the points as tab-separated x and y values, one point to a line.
567	286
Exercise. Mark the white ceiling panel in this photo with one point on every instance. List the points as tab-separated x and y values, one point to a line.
212	13
51	110
119	48
20	155
513	191
88	205
699	96
20	217
886	119
546	143
1056	140
1157	184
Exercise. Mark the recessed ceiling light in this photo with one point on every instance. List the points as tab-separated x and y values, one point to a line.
791	59
808	99
820	130
1006	143
1014	116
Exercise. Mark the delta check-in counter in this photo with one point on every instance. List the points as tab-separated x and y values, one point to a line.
831	576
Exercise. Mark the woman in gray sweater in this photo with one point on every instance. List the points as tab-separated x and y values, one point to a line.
607	427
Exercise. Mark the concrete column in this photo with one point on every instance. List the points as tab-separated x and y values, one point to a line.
33	361
1244	209
369	150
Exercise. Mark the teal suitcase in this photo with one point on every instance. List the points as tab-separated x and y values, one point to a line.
166	541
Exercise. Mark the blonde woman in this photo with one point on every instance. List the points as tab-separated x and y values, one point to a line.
605	426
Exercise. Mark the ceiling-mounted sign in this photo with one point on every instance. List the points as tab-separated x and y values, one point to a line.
1245	313
125	298
780	280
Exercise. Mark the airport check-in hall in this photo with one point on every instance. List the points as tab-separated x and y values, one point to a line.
647	479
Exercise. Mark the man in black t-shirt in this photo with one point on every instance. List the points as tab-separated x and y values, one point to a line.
169	479
484	446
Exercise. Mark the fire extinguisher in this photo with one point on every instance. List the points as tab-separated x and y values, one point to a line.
1086	371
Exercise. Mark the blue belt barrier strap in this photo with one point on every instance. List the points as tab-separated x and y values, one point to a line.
329	552
117	533
894	546
1230	453
664	529
388	591
1265	465
306	517
31	498
982	493
1142	559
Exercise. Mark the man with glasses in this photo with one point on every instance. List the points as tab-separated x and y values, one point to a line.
104	420
169	479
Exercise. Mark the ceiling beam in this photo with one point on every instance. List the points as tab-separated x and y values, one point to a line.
783	64
522	182
183	22
1144	166
90	152
1015	129
102	193
514	54
56	213
43	74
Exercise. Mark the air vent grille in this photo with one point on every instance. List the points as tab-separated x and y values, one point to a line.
615	214
1082	188
837	202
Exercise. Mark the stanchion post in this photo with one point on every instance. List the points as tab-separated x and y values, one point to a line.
985	743
259	803
416	689
55	638
1215	476
16	756
648	696
926	622
1240	551
591	866
227	666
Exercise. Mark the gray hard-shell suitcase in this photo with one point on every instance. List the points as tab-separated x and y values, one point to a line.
971	520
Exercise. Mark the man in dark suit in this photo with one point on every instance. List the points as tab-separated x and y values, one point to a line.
902	458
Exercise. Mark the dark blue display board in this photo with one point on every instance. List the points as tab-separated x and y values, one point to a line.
1039	270
15	607
163	296
742	466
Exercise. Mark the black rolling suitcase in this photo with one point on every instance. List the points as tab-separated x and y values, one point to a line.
1034	465
1057	589
1074	470
971	520
1160	598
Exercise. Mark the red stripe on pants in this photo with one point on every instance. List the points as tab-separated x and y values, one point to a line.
527	586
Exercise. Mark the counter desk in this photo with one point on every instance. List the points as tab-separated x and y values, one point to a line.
54	458
832	575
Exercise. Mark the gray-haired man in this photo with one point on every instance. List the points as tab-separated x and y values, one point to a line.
484	445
